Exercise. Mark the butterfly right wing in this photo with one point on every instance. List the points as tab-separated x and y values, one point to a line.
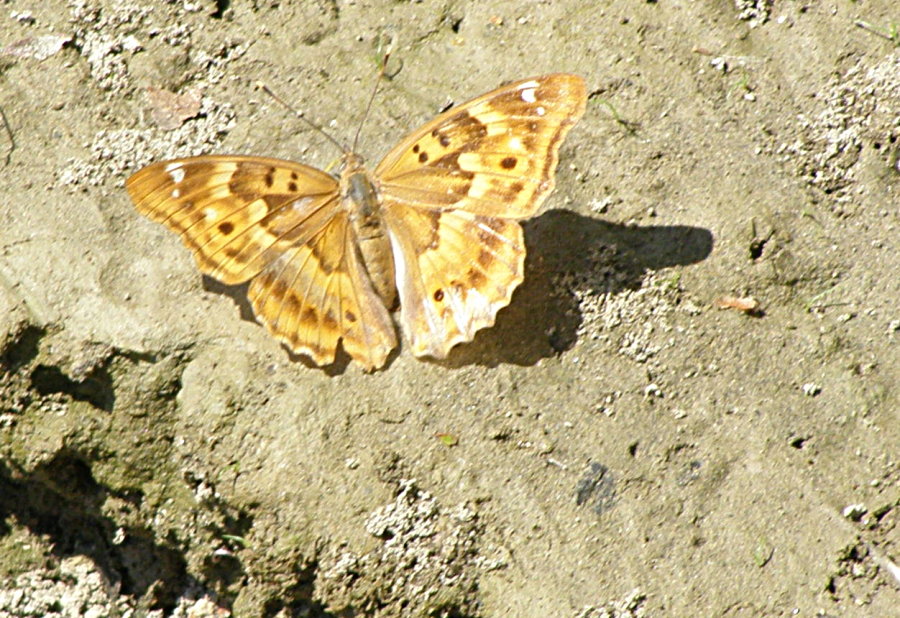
453	193
279	223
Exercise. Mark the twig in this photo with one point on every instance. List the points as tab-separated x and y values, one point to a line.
630	127
12	139
892	34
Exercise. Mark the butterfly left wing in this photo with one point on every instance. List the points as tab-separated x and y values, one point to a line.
452	194
236	214
280	224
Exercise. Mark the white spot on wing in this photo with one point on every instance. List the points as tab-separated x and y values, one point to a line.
210	214
301	204
176	193
515	143
176	172
528	95
540	111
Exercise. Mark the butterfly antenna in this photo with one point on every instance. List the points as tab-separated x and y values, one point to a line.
300	115
384	62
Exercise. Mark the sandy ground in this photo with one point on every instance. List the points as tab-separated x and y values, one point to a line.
623	445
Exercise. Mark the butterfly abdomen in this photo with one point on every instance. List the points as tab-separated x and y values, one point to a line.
360	198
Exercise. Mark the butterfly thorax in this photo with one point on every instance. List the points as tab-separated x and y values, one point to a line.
361	199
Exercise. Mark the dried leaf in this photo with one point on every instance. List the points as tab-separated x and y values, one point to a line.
747	304
170	110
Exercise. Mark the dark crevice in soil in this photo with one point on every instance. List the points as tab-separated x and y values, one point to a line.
96	389
222	568
62	500
297	600
23	349
221	7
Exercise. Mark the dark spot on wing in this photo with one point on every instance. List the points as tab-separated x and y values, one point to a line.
433	217
476	278
443	139
279	289
226	227
451	162
274	201
485	258
329	320
490	239
309	315
508	163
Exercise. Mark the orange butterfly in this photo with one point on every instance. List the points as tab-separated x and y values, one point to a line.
435	224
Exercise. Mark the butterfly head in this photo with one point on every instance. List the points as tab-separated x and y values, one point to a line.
352	163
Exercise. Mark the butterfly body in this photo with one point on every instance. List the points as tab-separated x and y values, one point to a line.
362	201
435	224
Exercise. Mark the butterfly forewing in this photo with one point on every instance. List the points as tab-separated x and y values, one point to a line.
494	155
236	214
452	192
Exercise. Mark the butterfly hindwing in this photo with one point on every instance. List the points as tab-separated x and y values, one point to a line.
317	293
455	270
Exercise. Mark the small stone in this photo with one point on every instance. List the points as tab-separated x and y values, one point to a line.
811	389
652	390
854	512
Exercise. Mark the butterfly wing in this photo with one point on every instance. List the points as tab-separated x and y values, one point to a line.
280	224
235	214
452	194
317	293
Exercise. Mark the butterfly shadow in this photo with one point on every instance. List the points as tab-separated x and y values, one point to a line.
569	252
565	251
238	294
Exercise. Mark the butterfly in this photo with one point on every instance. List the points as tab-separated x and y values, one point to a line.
435	225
